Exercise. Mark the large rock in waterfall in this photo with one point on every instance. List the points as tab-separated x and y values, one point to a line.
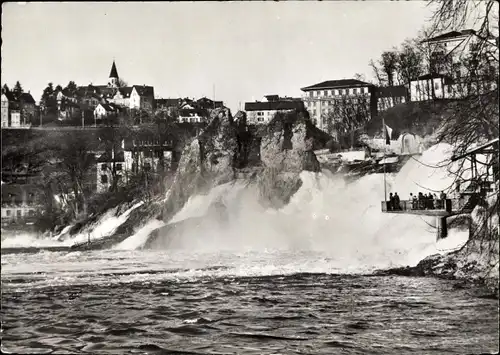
287	148
206	162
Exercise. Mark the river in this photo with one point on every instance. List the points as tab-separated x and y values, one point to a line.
267	302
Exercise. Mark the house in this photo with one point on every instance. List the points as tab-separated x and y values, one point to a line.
321	98
389	96
21	203
105	110
454	59
432	86
142	97
191	112
18	110
151	153
262	112
7	97
107	163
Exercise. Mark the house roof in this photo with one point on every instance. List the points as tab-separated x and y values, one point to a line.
432	76
392	91
168	102
274	105
17	190
450	35
272	97
10	96
27	98
125	91
144	90
109	107
106	157
114	72
337	84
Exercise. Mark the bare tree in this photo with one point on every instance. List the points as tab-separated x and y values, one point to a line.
475	115
346	116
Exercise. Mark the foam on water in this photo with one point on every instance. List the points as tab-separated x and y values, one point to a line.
343	221
140	236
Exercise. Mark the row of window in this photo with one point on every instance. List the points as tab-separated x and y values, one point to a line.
104	178
104	167
338	92
19	213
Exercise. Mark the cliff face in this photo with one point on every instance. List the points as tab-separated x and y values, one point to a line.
286	149
207	161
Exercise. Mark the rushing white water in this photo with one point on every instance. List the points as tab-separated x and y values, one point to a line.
140	236
341	221
105	226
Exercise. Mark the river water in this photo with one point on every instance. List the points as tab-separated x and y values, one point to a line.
267	302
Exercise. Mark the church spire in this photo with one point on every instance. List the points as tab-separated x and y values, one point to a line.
113	76
114	72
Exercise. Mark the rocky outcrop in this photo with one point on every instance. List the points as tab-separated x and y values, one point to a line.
287	148
288	143
207	161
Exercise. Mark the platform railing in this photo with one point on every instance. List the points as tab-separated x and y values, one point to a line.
422	205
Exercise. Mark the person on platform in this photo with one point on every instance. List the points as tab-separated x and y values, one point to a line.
414	202
442	200
397	202
421	201
430	201
390	204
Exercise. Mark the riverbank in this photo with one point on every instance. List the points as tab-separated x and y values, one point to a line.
476	263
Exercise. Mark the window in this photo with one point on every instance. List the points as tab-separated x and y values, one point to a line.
118	167
31	213
19	213
104	179
8	212
341	92
104	167
325	93
354	91
436	86
311	94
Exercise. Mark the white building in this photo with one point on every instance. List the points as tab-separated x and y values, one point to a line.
106	162
320	98
450	61
105	110
262	112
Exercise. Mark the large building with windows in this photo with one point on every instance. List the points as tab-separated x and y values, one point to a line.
262	112
330	96
455	58
20	203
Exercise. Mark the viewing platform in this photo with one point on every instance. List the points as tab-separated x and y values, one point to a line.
440	208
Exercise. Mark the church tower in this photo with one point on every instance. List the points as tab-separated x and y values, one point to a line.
113	76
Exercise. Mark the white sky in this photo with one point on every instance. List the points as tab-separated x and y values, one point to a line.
246	49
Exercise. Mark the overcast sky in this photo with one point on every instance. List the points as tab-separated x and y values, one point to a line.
245	49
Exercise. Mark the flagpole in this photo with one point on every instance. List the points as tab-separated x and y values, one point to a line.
384	143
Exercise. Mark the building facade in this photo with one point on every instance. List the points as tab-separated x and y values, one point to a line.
20	203
18	110
457	68
262	112
332	96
